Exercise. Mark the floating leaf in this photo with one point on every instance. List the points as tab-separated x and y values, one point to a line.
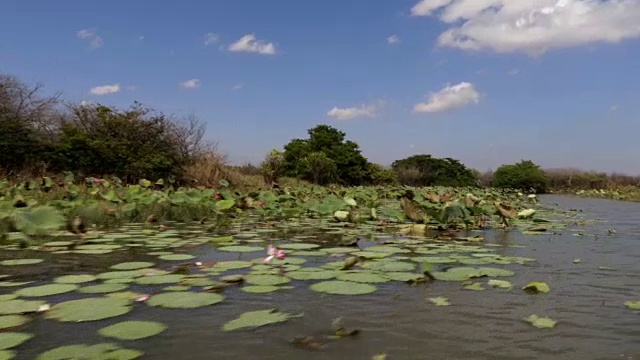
257	279
16	262
338	287
9	340
440	301
261	289
184	300
103	288
254	319
10	321
500	284
135	265
536	288
86	352
309	274
540	322
176	257
635	305
362	277
159	279
39	220
132	330
17	306
75	279
298	246
405	276
46	290
90	309
474	286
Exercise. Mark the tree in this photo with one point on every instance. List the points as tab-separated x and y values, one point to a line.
273	166
525	175
425	170
351	167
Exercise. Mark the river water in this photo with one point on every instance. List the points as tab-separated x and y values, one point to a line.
586	298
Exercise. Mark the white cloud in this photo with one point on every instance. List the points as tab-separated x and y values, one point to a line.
105	89
532	26
393	39
613	108
237	87
513	72
211	38
249	43
365	110
451	97
190	84
95	41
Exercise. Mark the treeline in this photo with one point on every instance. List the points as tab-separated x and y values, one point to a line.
46	135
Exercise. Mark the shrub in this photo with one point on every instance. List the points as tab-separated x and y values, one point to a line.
273	166
425	170
524	175
381	175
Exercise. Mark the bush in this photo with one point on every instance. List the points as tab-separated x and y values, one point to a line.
273	166
424	170
524	175
381	176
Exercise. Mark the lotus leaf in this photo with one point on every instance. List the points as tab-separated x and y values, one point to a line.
298	246
176	257
40	219
259	279
159	279
474	286
91	309
312	274
7	354
177	288
103	288
10	321
536	287
500	284
261	289
90	352
222	266
405	276
46	290
540	322
362	277
184	300
132	265
11	307
197	281
440	301
7	297
254	319
391	266
132	330
338	287
15	262
634	305
9	340
75	279
126	295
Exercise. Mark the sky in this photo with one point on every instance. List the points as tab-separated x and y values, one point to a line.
488	82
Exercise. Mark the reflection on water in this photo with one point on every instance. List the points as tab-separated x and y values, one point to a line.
586	298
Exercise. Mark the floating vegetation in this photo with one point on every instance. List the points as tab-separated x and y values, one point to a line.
540	322
132	330
254	319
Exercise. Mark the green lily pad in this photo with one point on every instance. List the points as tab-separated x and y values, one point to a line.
634	305
536	287
184	300
495	272
91	309
177	288
262	289
540	322
9	340
135	265
103	288
223	266
500	284
474	286
405	276
46	290
254	319
176	257
6	297
7	354
10	321
391	266
132	330
88	352
75	279
241	248
338	287
298	246
440	301
308	274
159	279
14	283
362	277
258	279
17	306
16	262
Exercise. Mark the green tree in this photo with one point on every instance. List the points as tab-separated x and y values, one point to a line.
425	170
381	175
351	167
318	168
273	166
525	175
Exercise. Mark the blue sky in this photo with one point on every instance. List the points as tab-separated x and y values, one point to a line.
484	81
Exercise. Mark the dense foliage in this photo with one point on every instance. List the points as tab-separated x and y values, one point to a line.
425	170
525	175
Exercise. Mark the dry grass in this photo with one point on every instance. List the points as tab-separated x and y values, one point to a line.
212	167
569	178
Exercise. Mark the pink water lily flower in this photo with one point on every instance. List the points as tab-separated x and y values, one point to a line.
217	196
274	252
144	297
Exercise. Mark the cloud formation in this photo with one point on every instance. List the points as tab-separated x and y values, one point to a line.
532	26
365	110
190	84
249	43
451	97
105	89
393	39
95	41
211	39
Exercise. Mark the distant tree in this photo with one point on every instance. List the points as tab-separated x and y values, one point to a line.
425	170
381	175
273	166
525	175
351	167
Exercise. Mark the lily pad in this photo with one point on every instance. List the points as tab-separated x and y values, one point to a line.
298	246
229	265
16	262
362	277
405	276
103	288
134	265
132	330
17	306
474	286
9	340
159	279
262	289
536	287
391	266
176	257
634	305
338	287
440	301
184	300
10	321
87	352
75	279
540	322
7	354
91	309
6	297
257	279
307	274
500	284
254	319
46	290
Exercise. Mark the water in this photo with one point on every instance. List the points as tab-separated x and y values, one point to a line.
587	300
